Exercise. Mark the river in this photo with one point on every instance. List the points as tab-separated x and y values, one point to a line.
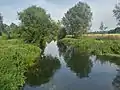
66	68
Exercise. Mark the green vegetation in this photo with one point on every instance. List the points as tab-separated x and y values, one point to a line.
1	24
117	13
78	23
15	58
77	20
37	26
61	33
99	47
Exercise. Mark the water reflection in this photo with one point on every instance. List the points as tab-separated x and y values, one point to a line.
99	70
111	59
116	61
76	61
62	48
116	81
42	71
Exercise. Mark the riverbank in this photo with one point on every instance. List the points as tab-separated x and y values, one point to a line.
91	45
15	58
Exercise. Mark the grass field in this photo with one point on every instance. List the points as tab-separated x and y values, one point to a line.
104	36
101	36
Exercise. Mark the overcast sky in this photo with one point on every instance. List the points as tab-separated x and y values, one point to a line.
102	9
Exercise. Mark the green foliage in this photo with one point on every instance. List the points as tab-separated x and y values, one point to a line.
14	32
42	71
15	58
1	25
78	19
102	27
36	25
116	12
4	37
61	33
99	47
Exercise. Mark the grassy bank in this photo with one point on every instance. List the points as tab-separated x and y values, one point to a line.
15	58
90	45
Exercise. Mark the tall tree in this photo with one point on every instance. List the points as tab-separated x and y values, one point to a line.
1	24
77	20
36	25
116	12
102	27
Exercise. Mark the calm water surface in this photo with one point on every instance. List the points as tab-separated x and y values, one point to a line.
66	68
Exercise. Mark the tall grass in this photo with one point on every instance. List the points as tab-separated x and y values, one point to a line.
100	36
15	58
104	36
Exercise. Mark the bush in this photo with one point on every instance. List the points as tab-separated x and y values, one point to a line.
4	36
99	47
15	58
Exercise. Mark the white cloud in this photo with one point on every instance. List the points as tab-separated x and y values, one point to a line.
102	10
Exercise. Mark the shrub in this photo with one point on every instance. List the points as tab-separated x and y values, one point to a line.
98	47
15	58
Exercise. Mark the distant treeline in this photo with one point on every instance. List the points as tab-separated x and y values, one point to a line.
113	31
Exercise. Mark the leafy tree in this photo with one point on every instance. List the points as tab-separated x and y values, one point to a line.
6	27
36	25
77	20
53	31
116	12
61	33
13	31
102	27
1	24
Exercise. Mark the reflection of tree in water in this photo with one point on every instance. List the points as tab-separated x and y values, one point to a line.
42	71
79	63
116	61
116	81
62	48
111	59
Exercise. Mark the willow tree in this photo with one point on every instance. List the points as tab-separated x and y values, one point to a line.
116	12
36	25
77	20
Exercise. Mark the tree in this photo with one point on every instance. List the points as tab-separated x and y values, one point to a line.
116	12
77	20
61	33
13	31
1	24
53	32
102	27
36	25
